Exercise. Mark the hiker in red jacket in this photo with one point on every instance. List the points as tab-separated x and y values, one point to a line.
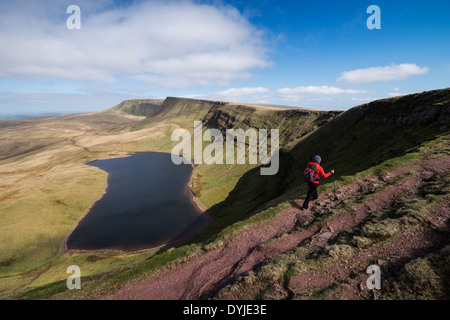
313	172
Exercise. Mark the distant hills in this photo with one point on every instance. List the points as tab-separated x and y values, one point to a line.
14	116
391	158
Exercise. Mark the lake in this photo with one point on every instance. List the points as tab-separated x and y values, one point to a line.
147	204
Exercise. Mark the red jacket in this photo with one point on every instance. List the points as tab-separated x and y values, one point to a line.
319	172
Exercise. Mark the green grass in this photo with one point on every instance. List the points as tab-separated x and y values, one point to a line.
422	278
130	266
56	187
138	107
38	175
350	143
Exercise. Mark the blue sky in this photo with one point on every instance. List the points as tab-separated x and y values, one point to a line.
311	54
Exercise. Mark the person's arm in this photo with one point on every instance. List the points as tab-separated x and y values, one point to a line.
322	173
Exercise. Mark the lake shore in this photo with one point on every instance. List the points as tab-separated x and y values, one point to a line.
195	201
63	247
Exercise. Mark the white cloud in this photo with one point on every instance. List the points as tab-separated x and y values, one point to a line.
387	73
368	99
236	94
290	95
163	43
395	94
320	99
233	92
318	90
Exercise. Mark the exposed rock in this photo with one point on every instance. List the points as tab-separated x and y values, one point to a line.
326	235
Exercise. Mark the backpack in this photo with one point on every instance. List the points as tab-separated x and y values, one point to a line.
310	173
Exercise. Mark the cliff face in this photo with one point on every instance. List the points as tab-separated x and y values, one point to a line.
431	114
369	134
431	107
348	142
390	207
355	141
390	211
292	123
138	107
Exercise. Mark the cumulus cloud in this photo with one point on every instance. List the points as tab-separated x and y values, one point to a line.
292	97
387	73
162	43
395	94
367	99
233	92
236	94
327	90
307	93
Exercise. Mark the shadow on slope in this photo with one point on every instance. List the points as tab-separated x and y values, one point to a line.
356	140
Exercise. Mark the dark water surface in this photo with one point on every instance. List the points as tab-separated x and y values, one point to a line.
147	204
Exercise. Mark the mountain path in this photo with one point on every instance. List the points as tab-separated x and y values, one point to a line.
204	275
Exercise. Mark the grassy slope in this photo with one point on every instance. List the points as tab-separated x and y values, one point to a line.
138	107
265	282
213	185
425	276
45	186
350	143
354	141
248	193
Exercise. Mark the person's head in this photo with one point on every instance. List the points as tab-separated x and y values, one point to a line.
317	159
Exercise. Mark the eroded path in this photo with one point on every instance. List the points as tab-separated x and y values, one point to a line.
204	275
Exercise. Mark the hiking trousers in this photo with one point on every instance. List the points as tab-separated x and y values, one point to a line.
312	194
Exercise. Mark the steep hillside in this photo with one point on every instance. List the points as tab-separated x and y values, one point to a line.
367	135
391	161
224	115
353	141
395	216
45	185
215	184
293	124
391	210
138	107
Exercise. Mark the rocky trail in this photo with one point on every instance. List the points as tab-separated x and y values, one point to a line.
206	274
